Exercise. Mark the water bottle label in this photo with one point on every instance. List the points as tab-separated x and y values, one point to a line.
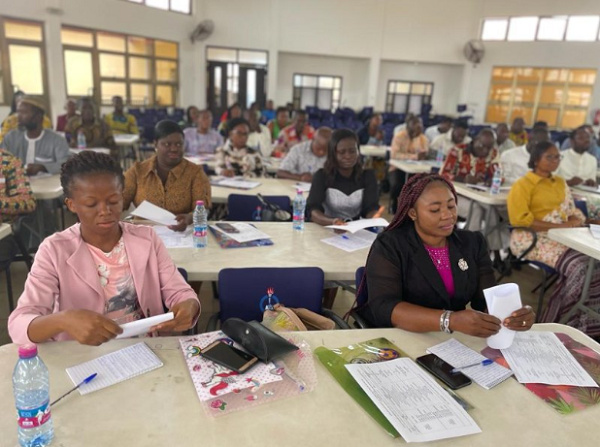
200	231
298	217
35	417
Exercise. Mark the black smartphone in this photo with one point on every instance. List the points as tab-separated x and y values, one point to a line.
229	357
443	371
227	228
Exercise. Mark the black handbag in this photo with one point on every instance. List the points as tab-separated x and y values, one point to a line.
258	340
272	212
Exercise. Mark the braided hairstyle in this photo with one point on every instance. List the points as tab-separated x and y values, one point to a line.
88	163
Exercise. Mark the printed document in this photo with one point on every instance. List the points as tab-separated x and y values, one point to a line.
356	225
150	211
175	239
244	232
143	326
352	241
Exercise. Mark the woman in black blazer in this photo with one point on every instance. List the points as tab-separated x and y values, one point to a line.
422	272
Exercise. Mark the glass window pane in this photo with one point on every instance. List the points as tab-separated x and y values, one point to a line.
252	57
529	74
217	78
166	71
251	87
111	42
552	28
324	99
429	89
573	118
579	96
23	31
112	65
522	28
582	77
308	97
141	94
400	103
337	82
336	95
109	89
497	114
309	81
26	69
503	73
552	94
160	4
403	87
180	6
297	80
139	68
221	54
165	49
523	112
164	95
415	104
525	93
494	29
548	115
500	92
582	28
79	38
417	89
139	45
78	71
555	75
325	82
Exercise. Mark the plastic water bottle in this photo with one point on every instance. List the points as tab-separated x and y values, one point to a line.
299	208
81	143
439	158
200	226
32	399
257	214
496	181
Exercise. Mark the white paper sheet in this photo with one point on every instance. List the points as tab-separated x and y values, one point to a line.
149	211
352	241
456	354
356	225
412	401
143	326
502	300
115	367
540	357
175	239
595	230
246	232
234	182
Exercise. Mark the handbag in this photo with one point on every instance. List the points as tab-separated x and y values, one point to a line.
282	318
257	339
271	212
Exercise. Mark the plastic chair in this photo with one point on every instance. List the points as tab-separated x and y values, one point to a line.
241	207
241	290
362	296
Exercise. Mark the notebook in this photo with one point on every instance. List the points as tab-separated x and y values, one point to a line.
115	367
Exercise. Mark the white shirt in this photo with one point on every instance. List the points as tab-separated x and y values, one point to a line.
261	141
444	142
514	163
508	144
577	165
30	159
432	133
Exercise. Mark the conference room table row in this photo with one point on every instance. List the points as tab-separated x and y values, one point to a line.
161	407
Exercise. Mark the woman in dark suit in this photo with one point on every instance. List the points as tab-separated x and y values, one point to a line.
422	272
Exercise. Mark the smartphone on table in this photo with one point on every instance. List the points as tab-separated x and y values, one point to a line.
227	228
228	356
443	371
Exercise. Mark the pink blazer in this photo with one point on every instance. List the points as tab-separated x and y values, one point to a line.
64	276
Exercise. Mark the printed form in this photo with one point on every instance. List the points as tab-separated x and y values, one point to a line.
412	401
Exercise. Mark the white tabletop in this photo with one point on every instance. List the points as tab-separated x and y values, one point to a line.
161	408
271	163
46	187
126	139
5	230
100	150
374	151
414	166
484	197
579	239
290	249
267	187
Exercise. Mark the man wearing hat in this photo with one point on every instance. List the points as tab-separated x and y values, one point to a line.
39	149
12	121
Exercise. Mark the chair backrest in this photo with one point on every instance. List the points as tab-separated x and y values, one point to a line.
362	296
582	206
242	207
241	290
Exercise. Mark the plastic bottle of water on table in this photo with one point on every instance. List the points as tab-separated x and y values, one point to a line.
81	143
200	219
32	399
299	209
496	181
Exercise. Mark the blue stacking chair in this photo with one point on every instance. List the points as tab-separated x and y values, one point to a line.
241	292
242	207
362	296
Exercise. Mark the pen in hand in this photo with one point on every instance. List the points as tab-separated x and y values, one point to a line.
83	382
482	363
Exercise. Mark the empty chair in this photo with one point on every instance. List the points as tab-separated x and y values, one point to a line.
241	207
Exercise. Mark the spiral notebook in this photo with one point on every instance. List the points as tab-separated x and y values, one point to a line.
115	367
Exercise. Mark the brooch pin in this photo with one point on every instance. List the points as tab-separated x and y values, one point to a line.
462	264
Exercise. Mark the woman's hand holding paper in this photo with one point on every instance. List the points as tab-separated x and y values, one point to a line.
475	323
521	319
185	314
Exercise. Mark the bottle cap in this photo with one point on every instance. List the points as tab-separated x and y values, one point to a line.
299	191
199	202
27	351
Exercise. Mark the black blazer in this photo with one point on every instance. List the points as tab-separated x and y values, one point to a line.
400	269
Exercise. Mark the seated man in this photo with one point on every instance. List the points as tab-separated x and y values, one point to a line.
306	158
295	133
578	166
119	121
515	162
62	120
502	141
96	132
268	113
432	132
518	134
455	137
39	149
12	121
202	139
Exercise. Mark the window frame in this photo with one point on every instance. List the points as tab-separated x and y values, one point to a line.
143	3
389	105
297	90
564	34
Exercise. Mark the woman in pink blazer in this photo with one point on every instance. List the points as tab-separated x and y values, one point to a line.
99	273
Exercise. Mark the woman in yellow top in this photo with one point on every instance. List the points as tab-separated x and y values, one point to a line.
542	201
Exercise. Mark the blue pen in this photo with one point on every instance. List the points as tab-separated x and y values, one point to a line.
345	237
482	363
83	382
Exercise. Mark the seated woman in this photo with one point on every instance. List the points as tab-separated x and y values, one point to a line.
167	179
235	157
542	201
422	271
99	273
342	190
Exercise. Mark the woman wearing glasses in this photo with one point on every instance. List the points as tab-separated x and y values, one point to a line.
235	157
167	179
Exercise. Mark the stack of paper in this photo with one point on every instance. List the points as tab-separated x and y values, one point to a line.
149	211
361	224
175	239
243	232
234	182
352	241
